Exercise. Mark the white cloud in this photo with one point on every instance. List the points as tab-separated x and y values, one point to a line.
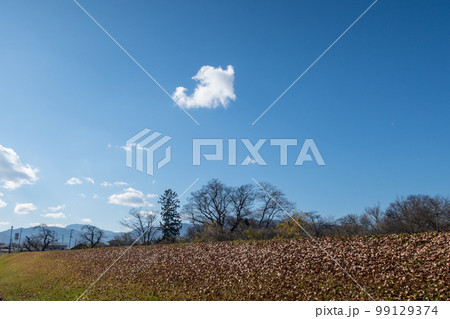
145	214
13	173
86	220
82	195
56	208
4	223
55	215
24	208
90	180
74	181
215	88
152	195
106	184
49	225
130	197
3	204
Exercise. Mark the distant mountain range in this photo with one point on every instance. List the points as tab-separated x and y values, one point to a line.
63	233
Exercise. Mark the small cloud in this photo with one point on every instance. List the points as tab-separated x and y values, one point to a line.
86	220
55	215
49	225
3	203
95	196
4	223
130	197
146	214
24	208
109	145
74	181
120	183
56	208
152	195
215	88
82	195
90	180
14	174
106	184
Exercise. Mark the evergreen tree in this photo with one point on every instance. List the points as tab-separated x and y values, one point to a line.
171	222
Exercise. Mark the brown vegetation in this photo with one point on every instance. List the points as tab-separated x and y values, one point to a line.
389	267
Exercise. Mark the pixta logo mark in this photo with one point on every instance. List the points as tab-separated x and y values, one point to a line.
145	144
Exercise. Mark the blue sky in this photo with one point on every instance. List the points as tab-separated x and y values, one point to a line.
376	104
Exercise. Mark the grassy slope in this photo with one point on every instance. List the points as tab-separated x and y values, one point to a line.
389	267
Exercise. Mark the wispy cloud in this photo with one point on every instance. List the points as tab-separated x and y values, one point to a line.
54	215
56	208
24	208
144	213
86	220
130	197
4	223
106	184
74	181
90	180
215	88
3	203
13	173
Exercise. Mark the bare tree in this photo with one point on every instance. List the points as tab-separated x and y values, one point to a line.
437	213
125	239
242	199
317	224
272	203
350	225
372	219
41	240
210	204
142	223
418	213
92	235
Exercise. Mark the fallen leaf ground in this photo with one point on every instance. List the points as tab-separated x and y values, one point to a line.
394	267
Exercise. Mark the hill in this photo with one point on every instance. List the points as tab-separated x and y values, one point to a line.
394	267
63	233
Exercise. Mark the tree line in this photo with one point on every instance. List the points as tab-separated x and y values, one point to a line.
43	238
217	212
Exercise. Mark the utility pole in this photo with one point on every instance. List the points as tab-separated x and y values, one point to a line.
10	240
20	237
70	239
